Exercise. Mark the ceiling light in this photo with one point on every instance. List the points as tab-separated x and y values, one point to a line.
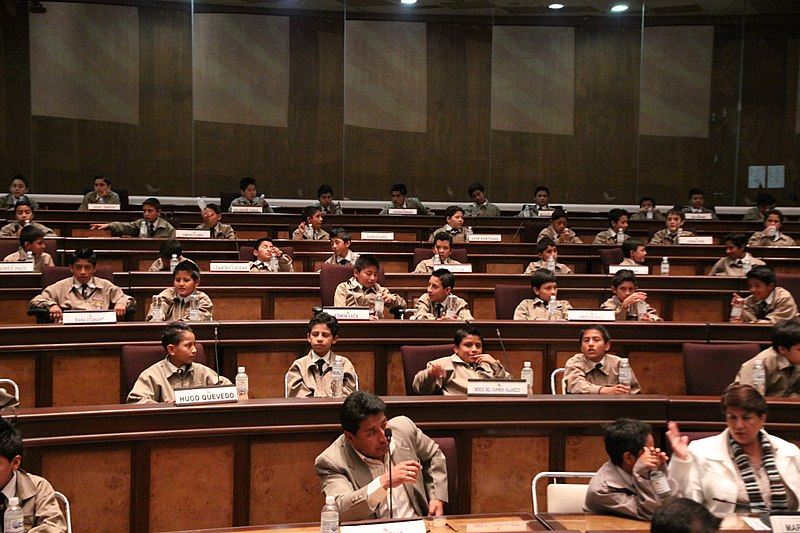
619	8
556	6
408	2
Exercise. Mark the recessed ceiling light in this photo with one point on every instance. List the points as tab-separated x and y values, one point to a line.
619	8
556	6
408	2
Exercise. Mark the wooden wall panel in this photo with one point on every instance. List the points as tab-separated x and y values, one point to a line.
658	372
22	369
295	308
237	308
266	372
396	378
71	373
584	453
15	95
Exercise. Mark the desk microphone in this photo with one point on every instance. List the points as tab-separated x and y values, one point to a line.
216	352
521	224
756	509
388	433
503	346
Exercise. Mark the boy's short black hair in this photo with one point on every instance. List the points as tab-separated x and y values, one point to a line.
543	244
29	235
542	276
694	191
762	273
541	188
173	333
621	276
309	211
602	329
261	240
739	240
676	211
400	187
86	254
214	207
152	202
340	233
777	212
475	187
786	334
645	199
365	261
324	189
103	177
558	213
615	214
462	333
443	236
625	435
23	179
22	203
630	245
447	278
452	210
10	440
245	182
170	247
682	515
326	320
188	267
357	407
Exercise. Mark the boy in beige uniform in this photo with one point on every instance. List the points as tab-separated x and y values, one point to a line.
248	190
325	201
31	239
634	251
454	215
362	289
545	248
263	250
628	303
156	226
311	376
157	383
175	301
736	252
23	212
401	200
674	229
771	236
165	253
18	192
697	203
781	363
481	206
450	375
442	247
558	230
311	226
433	305
212	220
102	193
593	371
544	285
617	220
340	244
83	291
767	303
647	205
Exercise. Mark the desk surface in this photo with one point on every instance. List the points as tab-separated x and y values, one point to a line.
593	522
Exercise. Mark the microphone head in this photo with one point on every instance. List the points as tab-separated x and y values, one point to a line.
498	332
388	433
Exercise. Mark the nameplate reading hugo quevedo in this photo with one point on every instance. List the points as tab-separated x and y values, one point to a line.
497	387
90	317
104	207
484	237
402	211
246	209
348	313
703	239
406	526
698	216
636	269
590	315
206	395
229	266
17	266
193	233
377	235
464	267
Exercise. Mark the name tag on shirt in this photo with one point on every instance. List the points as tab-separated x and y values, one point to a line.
698	216
636	269
90	317
465	267
402	211
246	209
590	315
704	239
18	266
377	235
497	387
229	266
103	207
348	313
484	237
406	526
545	213
193	233
206	395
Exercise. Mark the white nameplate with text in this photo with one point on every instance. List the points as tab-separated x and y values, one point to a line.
104	207
545	213
698	216
406	526
464	267
402	211
229	266
193	233
17	266
348	313
484	237
377	235
90	317
636	269
497	387
246	209
704	239
789	523
590	315
206	395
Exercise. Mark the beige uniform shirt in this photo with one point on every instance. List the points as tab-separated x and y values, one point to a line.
778	306
458	374
630	262
39	261
614	491
158	383
313	235
158	264
174	308
284	265
759	238
92	197
633	312
690	209
459	235
728	267
102	295
664	237
533	266
12	229
220	231
161	228
584	376
40	509
783	377
427	310
609	236
411	202
641	215
426	266
351	293
257	201
305	381
486	209
349	259
536	309
567	236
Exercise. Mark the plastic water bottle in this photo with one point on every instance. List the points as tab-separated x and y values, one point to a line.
551	263
452	306
173	262
242	385
747	265
736	311
378	306
337	385
650	214
437	260
194	312
620	236
660	483
527	375
759	375
27	223
329	519
274	266
29	256
143	230
665	266
552	308
13	521
624	372
158	313
201	203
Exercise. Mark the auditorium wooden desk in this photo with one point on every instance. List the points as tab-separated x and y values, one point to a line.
598	523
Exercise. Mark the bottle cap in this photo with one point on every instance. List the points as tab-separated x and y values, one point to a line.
241	369
623	359
527	364
330	500
338	359
13	502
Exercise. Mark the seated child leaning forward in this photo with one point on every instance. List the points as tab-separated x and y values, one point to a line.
177	370
363	288
593	371
175	302
628	302
450	375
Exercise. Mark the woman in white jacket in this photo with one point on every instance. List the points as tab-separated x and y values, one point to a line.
743	469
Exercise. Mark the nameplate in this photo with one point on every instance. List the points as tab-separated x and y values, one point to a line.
90	317
193	233
465	267
753	522
17	266
505	526
348	313
636	269
406	526
590	315
377	235
785	523
705	239
485	237
246	209
402	211
206	395
497	387
104	207
229	266
698	216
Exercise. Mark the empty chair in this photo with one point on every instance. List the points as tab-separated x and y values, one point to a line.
415	358
508	297
457	254
709	368
136	359
561	497
330	276
557	376
610	256
450	450
65	508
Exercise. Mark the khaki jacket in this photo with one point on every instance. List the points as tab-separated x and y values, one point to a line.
175	308
156	384
783	378
304	380
39	261
582	377
536	309
39	505
783	307
350	293
458	375
427	310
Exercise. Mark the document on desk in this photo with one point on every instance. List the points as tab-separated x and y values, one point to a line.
407	526
496	527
